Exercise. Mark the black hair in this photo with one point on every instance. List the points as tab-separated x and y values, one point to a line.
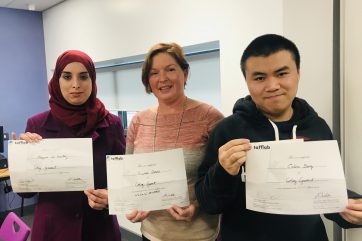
266	45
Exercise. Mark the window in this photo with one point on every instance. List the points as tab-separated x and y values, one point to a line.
121	90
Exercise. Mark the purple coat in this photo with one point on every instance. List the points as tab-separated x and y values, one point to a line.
66	216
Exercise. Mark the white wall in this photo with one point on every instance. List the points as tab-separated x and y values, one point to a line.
110	29
351	53
309	24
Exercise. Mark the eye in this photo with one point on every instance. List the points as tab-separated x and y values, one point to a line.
67	76
84	76
281	74
259	78
171	69
152	73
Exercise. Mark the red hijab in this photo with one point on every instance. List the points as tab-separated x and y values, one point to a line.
83	119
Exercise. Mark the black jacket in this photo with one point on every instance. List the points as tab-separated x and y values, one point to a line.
218	192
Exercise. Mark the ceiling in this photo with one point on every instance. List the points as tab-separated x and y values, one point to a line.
34	5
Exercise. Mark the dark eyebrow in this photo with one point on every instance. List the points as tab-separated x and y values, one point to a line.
257	73
282	69
167	66
67	72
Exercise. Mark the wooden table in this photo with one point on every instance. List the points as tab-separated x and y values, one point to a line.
4	174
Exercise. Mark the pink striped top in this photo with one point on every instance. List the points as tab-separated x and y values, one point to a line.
197	123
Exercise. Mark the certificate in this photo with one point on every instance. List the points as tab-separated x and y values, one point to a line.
146	181
51	165
295	178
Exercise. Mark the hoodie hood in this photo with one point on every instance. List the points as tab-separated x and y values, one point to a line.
247	108
303	115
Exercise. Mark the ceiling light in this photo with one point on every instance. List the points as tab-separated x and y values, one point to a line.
31	7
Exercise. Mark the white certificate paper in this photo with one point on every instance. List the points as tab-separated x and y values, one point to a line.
51	165
146	181
295	178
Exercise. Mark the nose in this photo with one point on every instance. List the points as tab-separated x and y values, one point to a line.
163	76
272	84
75	83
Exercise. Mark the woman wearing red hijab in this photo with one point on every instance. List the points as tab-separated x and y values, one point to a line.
75	112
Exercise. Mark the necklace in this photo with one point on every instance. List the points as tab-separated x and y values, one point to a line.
178	129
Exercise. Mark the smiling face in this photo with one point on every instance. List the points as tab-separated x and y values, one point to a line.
167	79
75	83
273	83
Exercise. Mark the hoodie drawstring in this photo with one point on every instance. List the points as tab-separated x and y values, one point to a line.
276	131
294	131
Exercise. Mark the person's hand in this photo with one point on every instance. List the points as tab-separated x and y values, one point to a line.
183	213
137	216
233	154
97	199
353	211
27	136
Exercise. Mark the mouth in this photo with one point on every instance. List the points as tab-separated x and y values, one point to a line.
273	96
164	87
75	94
